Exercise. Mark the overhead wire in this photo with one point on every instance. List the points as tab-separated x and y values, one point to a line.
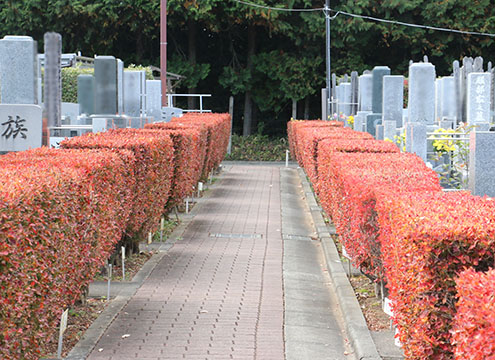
277	8
326	11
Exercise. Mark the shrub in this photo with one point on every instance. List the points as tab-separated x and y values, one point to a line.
309	138
294	126
473	331
218	128
153	173
62	214
350	186
186	151
427	240
257	148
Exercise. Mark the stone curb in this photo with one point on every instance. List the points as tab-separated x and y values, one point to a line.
355	323
91	336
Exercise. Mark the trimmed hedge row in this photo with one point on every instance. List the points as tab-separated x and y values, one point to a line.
474	324
398	226
63	211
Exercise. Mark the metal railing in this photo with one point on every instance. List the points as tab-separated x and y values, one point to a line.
171	97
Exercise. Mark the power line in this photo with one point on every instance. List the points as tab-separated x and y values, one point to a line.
277	9
365	17
337	13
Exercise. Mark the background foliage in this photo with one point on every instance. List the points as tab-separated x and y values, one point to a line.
265	58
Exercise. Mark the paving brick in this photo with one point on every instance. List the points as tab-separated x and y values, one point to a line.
213	297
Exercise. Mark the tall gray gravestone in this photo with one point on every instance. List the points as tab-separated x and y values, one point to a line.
365	91
333	95
134	92
346	89
478	98
154	99
20	127
458	91
393	98
377	95
106	85
86	94
448	98
53	79
354	92
482	163
18	70
120	86
416	136
421	102
375	118
478	64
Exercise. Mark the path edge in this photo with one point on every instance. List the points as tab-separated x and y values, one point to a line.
355	323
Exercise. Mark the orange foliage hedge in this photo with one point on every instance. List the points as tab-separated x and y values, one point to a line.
218	130
473	332
153	171
427	240
62	213
351	183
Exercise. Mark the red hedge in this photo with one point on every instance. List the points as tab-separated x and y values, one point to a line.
294	127
473	333
308	140
218	130
153	170
62	213
427	240
189	154
351	183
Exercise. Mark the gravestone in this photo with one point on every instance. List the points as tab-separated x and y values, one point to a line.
346	90
18	70
334	95
425	59
377	95
457	91
354	92
120	86
20	127
53	79
106	85
389	130
71	111
482	163
372	120
447	124
360	120
324	99
448	98
421	102
478	64
379	132
418	139
478	98
133	92
489	66
154	99
86	94
393	98
365	92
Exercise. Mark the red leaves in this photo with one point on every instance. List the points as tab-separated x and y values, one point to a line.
63	211
473	332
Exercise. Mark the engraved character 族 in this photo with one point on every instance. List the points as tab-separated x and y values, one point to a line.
14	127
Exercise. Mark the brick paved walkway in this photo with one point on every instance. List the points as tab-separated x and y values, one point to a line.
217	294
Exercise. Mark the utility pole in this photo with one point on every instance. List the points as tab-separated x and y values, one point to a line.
329	74
163	50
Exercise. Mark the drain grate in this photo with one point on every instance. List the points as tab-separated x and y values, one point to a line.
237	236
296	237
